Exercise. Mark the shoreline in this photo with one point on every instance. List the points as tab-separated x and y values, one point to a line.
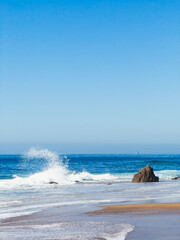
142	208
148	225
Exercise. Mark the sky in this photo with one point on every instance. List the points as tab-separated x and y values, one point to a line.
75	75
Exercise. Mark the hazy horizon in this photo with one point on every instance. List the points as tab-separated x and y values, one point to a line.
82	148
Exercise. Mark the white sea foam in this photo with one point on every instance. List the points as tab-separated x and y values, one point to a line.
167	174
17	211
15	214
54	171
69	231
123	234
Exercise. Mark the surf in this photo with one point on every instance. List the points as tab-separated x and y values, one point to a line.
54	170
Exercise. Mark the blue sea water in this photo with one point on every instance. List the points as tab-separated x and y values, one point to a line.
42	181
19	165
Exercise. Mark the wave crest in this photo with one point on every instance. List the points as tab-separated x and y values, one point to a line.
53	171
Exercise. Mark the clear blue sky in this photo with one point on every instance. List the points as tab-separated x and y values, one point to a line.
90	72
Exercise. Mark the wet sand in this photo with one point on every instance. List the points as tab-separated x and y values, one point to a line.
130	208
151	221
158	221
156	226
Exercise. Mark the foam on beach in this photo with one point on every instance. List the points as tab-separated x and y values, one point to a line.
69	231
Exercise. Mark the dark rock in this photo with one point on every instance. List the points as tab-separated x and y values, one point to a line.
109	183
145	175
53	183
100	238
176	178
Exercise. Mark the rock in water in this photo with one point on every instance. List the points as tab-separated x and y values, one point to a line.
176	178
53	182
145	175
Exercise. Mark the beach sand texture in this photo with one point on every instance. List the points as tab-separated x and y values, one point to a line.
164	207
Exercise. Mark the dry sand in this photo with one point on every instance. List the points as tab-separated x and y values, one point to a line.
151	207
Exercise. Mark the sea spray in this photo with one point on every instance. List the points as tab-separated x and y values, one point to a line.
51	159
50	167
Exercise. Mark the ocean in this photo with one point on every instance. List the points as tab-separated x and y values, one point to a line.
61	189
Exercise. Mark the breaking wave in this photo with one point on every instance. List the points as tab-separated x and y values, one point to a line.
54	170
49	167
167	174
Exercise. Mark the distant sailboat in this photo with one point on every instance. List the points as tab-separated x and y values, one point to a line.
137	152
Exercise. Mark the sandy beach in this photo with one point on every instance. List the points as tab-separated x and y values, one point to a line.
158	221
152	208
164	225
